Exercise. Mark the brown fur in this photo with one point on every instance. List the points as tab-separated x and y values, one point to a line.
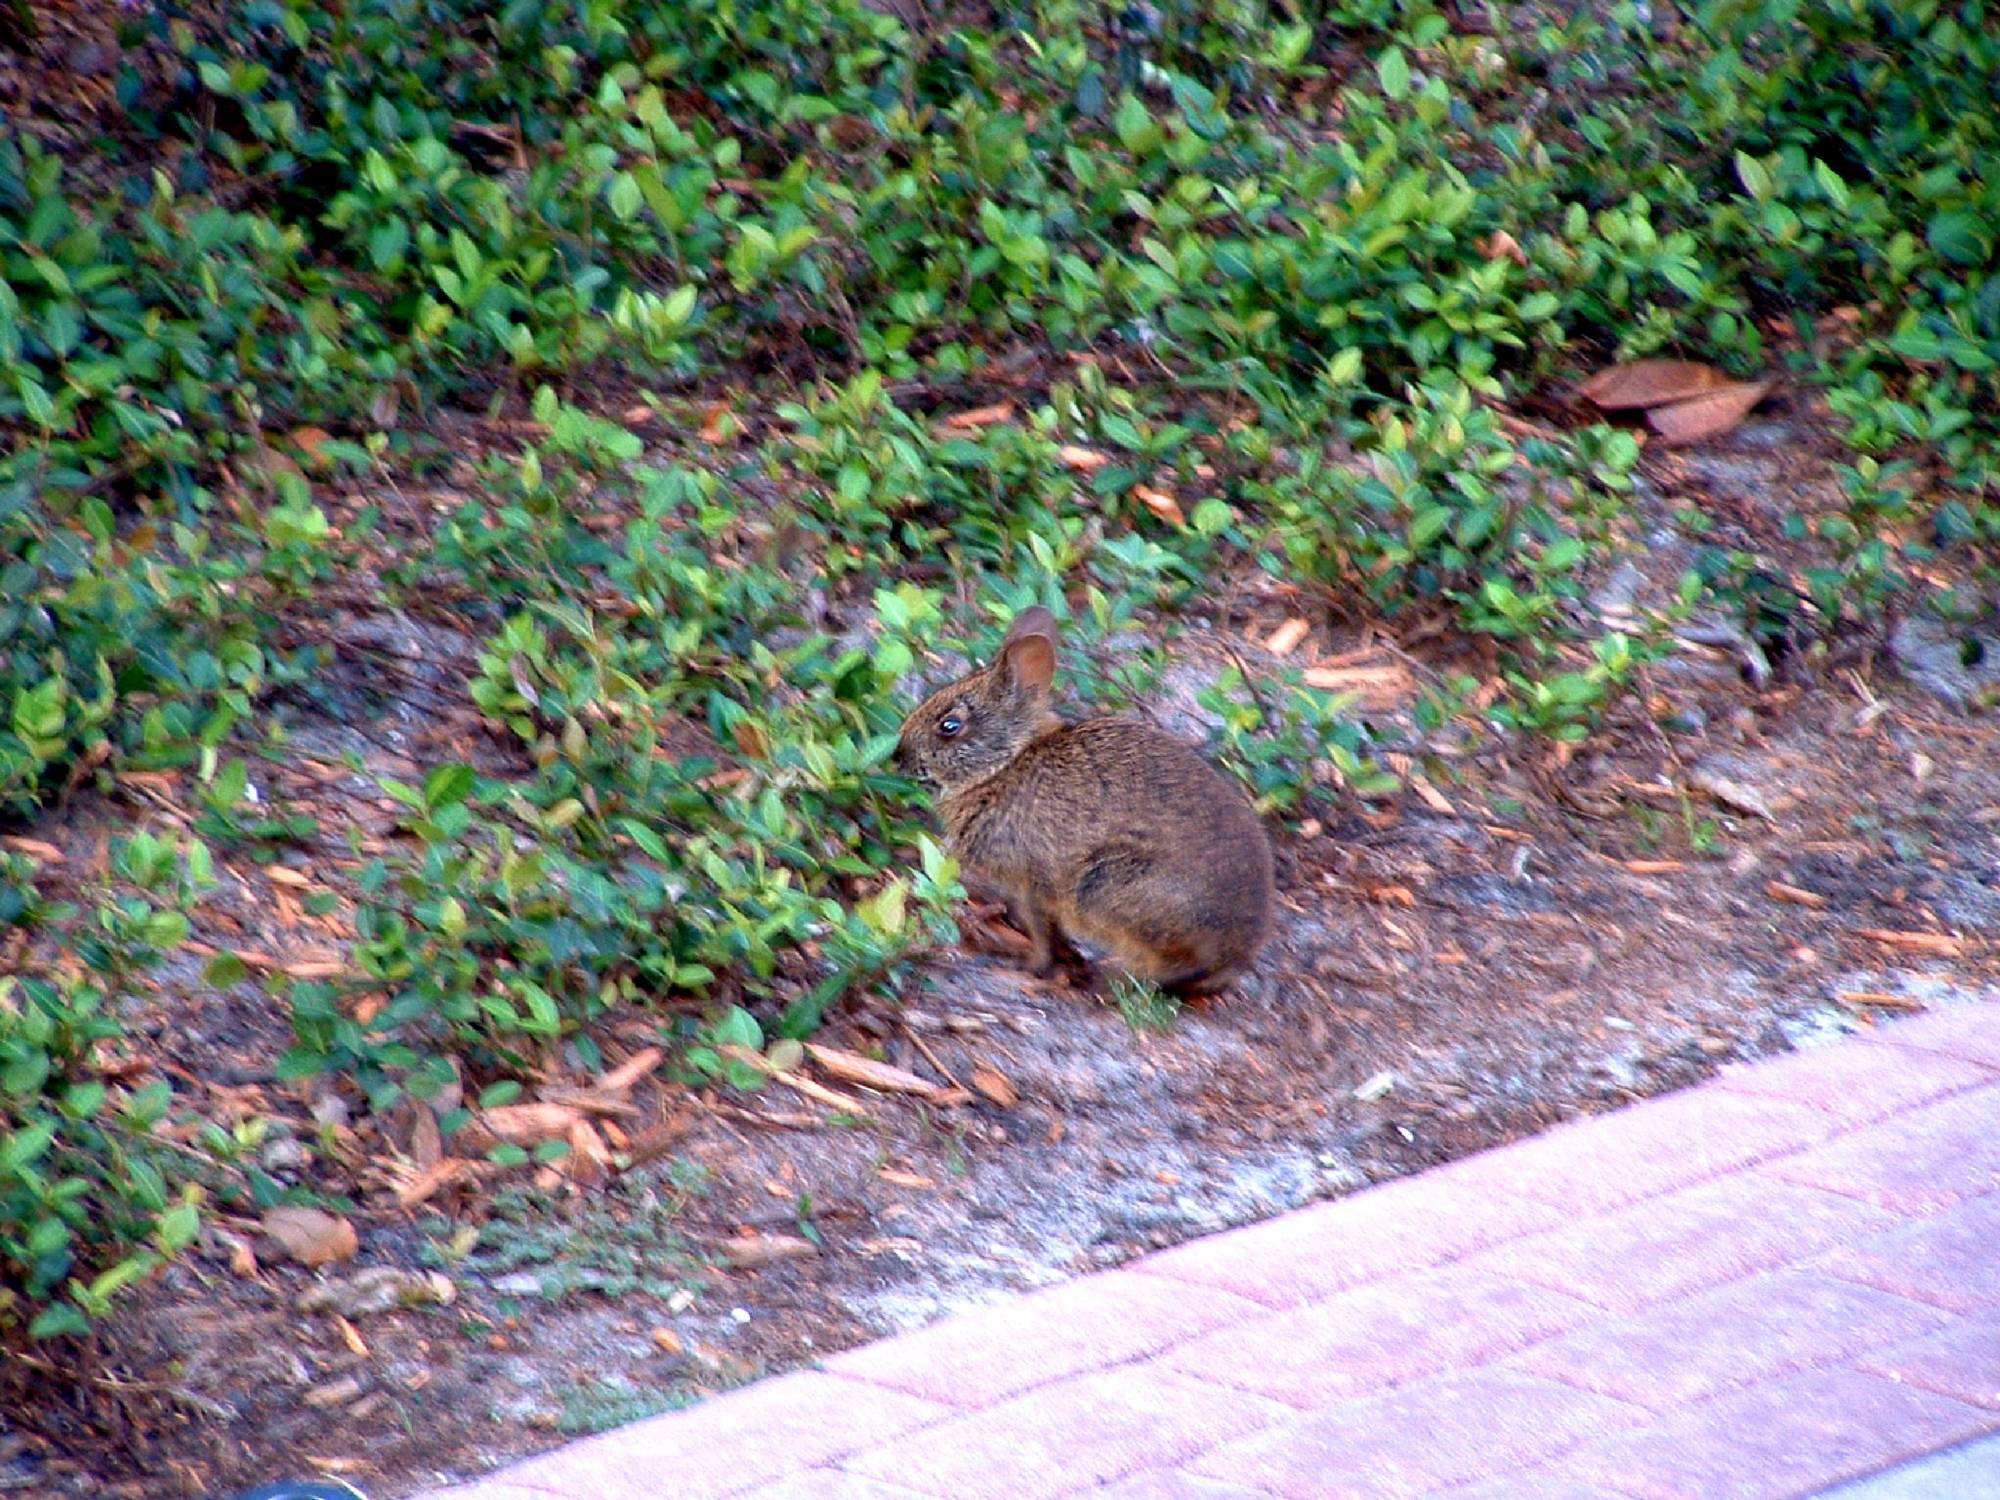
1108	831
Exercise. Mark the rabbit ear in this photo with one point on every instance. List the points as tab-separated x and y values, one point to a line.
1034	620
1028	655
1029	664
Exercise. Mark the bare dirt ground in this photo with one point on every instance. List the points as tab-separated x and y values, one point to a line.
1728	870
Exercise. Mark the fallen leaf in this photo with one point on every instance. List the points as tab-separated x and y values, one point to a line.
315	968
1647	383
1433	798
351	1336
522	1124
806	1086
995	1085
284	875
1942	944
1083	460
589	1159
1777	890
434	1180
1390	894
426	1142
311	443
979	416
1285	639
1160	503
268	464
751	1250
851	1067
1341	679
1502	245
1654	866
1858	998
33	847
310	1236
1710	416
630	1071
905	1179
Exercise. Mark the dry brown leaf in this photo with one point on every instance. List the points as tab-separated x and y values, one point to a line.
1434	799
1941	943
1160	503
1502	245
589	1159
284	875
1777	890
1710	416
310	1236
1082	460
1654	866
905	1179
1879	998
1648	383
434	1180
995	1085
522	1124
852	1067
1390	894
979	416
311	443
267	464
315	968
1350	679
806	1086
350	1336
159	781
717	422
34	848
1285	639
752	1250
630	1071
242	1257
426	1143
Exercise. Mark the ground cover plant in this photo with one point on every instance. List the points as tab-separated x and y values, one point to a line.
702	377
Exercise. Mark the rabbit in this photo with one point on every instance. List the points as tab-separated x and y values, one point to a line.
1109	832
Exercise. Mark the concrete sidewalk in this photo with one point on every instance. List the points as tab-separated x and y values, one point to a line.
1767	1286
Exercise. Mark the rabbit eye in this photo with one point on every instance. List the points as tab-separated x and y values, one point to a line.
950	725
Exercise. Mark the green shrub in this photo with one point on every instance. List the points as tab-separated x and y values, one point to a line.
92	1201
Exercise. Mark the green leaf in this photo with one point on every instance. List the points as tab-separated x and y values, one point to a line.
1393	69
1960	236
1136	131
624	196
1754	176
447	785
59	1320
